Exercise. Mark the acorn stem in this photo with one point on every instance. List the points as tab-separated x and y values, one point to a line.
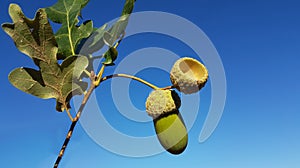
131	77
168	87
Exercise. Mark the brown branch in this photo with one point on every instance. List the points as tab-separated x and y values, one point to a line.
75	120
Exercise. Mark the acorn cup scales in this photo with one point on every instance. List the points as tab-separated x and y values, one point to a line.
188	75
163	106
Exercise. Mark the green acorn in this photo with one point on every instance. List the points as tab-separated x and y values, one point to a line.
163	106
188	75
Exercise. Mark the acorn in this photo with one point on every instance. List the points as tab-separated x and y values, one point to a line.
162	106
188	75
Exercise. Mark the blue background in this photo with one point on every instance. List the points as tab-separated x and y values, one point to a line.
259	44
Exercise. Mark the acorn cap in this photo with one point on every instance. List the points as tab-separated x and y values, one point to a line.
188	75
161	102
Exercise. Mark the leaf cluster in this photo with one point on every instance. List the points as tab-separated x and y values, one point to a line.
36	39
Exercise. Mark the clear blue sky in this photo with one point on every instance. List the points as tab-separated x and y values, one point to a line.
259	44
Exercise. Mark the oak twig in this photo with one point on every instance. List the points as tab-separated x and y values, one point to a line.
75	120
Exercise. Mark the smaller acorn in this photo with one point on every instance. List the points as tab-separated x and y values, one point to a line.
188	75
163	106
